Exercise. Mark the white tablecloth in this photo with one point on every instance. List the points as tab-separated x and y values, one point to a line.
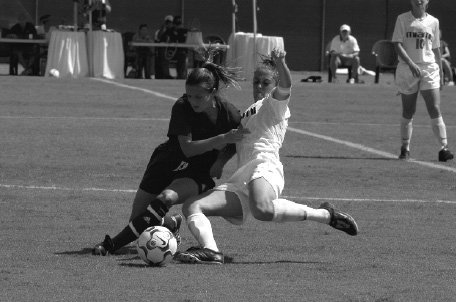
241	51
67	52
108	55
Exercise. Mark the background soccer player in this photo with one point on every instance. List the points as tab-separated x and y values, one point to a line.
417	41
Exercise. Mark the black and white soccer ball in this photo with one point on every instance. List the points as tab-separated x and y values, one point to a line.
156	246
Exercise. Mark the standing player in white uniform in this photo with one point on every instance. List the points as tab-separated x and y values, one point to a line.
254	189
417	40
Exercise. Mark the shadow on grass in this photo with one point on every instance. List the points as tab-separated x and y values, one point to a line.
127	250
338	157
230	260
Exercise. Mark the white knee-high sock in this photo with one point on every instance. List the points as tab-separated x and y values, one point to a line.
286	210
439	129
406	132
201	229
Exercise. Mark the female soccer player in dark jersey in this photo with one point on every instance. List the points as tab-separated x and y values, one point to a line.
202	133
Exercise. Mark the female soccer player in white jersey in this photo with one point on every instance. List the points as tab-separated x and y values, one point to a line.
417	40
254	189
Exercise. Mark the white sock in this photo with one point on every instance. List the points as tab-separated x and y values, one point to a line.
200	227
406	132
286	210
439	129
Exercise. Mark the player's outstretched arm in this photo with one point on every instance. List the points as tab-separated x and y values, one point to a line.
283	88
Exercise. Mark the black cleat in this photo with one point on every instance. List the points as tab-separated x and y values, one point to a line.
198	255
445	155
178	221
340	220
103	248
405	154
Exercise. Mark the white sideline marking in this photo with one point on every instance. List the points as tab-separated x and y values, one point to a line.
362	124
158	94
370	199
84	118
371	150
55	188
65	188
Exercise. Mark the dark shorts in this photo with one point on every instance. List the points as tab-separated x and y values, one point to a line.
165	166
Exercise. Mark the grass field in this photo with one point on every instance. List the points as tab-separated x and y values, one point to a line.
72	154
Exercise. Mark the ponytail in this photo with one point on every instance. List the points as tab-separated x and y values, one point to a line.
210	74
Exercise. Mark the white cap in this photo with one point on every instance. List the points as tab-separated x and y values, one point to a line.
345	27
169	18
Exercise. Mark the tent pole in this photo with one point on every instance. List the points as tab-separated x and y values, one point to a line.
90	41
36	12
75	15
254	32
322	37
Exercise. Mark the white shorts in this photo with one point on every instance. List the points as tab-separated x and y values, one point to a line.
271	171
408	84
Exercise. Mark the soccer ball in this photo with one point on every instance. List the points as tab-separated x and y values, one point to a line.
156	246
54	73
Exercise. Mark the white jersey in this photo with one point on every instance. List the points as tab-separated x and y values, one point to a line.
267	120
418	37
258	153
346	47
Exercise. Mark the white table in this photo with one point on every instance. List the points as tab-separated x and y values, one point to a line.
67	52
241	51
108	55
41	42
23	41
179	45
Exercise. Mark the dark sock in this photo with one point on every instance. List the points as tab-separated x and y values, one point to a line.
123	238
169	222
140	223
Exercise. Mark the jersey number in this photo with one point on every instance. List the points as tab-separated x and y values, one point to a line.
419	43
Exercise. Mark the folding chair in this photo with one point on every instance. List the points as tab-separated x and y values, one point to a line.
386	58
342	66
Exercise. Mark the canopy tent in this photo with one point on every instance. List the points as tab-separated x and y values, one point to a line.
10	11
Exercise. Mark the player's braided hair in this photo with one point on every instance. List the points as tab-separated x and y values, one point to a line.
210	74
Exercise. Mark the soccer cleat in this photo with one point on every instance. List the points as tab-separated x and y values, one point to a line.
445	154
103	248
340	220
405	154
178	220
198	255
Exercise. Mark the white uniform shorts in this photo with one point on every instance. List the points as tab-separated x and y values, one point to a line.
408	84
270	170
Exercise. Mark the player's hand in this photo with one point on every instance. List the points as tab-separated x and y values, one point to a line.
416	71
216	170
278	55
236	135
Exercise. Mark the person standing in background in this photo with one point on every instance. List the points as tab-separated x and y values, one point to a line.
446	62
163	35
143	53
416	38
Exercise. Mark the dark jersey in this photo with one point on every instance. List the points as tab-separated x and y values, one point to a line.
168	162
185	121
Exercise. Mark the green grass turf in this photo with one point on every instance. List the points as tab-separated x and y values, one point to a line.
72	153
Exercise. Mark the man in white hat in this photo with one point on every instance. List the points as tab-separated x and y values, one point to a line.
344	50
